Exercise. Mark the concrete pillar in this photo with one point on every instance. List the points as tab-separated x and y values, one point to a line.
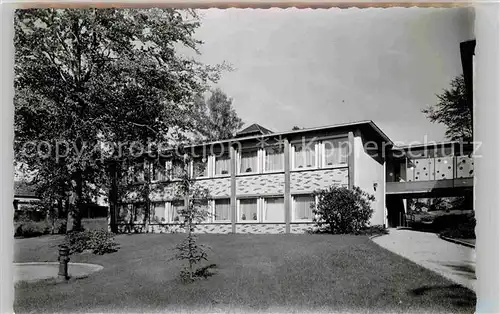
287	196
350	159
233	188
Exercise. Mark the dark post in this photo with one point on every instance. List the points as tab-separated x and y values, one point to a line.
63	261
113	197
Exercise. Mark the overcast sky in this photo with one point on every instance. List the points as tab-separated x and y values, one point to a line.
321	67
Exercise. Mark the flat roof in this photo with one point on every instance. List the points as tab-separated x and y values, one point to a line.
430	144
369	123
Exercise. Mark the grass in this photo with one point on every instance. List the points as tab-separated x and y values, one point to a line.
255	273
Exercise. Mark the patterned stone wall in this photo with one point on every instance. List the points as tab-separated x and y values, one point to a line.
260	228
219	228
174	228
301	228
218	187
261	184
307	181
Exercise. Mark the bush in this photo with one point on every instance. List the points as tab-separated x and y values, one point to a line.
60	226
97	241
29	229
465	229
342	210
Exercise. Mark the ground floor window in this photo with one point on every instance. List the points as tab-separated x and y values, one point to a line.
175	207
274	209
302	210
158	212
131	213
248	211
222	210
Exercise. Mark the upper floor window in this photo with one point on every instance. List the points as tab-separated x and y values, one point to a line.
159	171
249	161
135	173
335	152
222	164
200	167
177	169
274	158
304	155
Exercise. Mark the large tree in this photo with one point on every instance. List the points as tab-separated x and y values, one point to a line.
218	118
453	111
91	76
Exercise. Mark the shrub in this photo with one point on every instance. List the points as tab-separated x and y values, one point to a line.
28	228
464	229
342	210
97	241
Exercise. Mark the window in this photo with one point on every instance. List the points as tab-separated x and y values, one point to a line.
274	159
136	172
178	169
202	205
139	211
126	213
159	173
222	165
200	167
159	212
248	210
304	155
274	209
222	210
336	152
175	207
248	161
302	207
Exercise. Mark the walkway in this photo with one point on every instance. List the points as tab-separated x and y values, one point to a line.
31	272
453	261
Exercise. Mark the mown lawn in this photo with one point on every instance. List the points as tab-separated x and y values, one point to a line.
255	273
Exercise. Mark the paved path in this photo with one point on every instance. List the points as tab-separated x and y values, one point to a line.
453	261
31	272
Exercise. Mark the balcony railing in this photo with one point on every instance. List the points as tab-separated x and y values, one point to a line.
433	169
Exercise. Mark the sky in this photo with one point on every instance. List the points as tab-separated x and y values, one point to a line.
310	68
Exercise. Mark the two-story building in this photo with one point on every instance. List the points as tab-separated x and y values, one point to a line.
264	182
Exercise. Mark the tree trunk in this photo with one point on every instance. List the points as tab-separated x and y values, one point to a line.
147	203
75	206
113	198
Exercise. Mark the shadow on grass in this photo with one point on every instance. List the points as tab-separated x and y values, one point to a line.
464	269
456	294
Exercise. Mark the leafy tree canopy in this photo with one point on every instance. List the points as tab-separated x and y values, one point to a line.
93	76
218	118
453	111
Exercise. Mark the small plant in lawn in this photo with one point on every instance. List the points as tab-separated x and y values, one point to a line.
341	210
194	211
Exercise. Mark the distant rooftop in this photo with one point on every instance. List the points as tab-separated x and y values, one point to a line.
252	130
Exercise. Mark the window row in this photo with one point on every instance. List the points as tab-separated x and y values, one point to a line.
264	209
304	155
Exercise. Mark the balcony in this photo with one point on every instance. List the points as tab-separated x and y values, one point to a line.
438	176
